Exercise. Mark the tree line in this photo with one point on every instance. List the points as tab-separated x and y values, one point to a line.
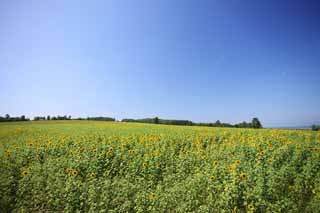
65	117
255	123
7	118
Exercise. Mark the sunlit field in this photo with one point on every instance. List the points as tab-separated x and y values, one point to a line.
88	166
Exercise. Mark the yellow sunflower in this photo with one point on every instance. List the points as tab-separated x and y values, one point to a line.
25	173
153	196
250	207
93	175
74	173
243	176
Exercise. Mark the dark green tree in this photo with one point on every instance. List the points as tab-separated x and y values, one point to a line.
315	127
255	123
156	120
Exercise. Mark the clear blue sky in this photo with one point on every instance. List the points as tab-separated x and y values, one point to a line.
198	60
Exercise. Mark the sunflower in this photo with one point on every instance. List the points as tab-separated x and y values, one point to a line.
153	196
215	163
110	150
74	173
144	165
93	175
68	170
235	209
212	178
158	165
243	176
8	155
132	152
259	154
25	173
237	162
291	188
250	207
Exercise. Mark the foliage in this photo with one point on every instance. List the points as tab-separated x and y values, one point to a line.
7	118
89	166
315	127
101	119
254	124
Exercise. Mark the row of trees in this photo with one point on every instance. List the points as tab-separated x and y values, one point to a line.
43	118
65	117
255	123
99	119
7	118
315	127
157	120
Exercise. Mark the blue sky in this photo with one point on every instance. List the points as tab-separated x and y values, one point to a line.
198	60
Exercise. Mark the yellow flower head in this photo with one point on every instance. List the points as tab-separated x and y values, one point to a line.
93	175
250	207
110	150
243	176
8	155
74	173
153	196
291	188
212	178
132	152
238	162
144	165
25	173
215	163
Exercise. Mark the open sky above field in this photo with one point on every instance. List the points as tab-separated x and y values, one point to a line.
198	60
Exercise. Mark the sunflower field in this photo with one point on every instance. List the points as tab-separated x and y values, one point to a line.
90	166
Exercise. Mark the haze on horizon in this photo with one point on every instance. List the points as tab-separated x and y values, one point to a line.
196	60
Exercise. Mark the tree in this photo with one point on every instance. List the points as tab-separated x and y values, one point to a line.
23	118
48	117
7	116
315	127
156	120
255	123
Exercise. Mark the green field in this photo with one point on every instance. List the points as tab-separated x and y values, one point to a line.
88	166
